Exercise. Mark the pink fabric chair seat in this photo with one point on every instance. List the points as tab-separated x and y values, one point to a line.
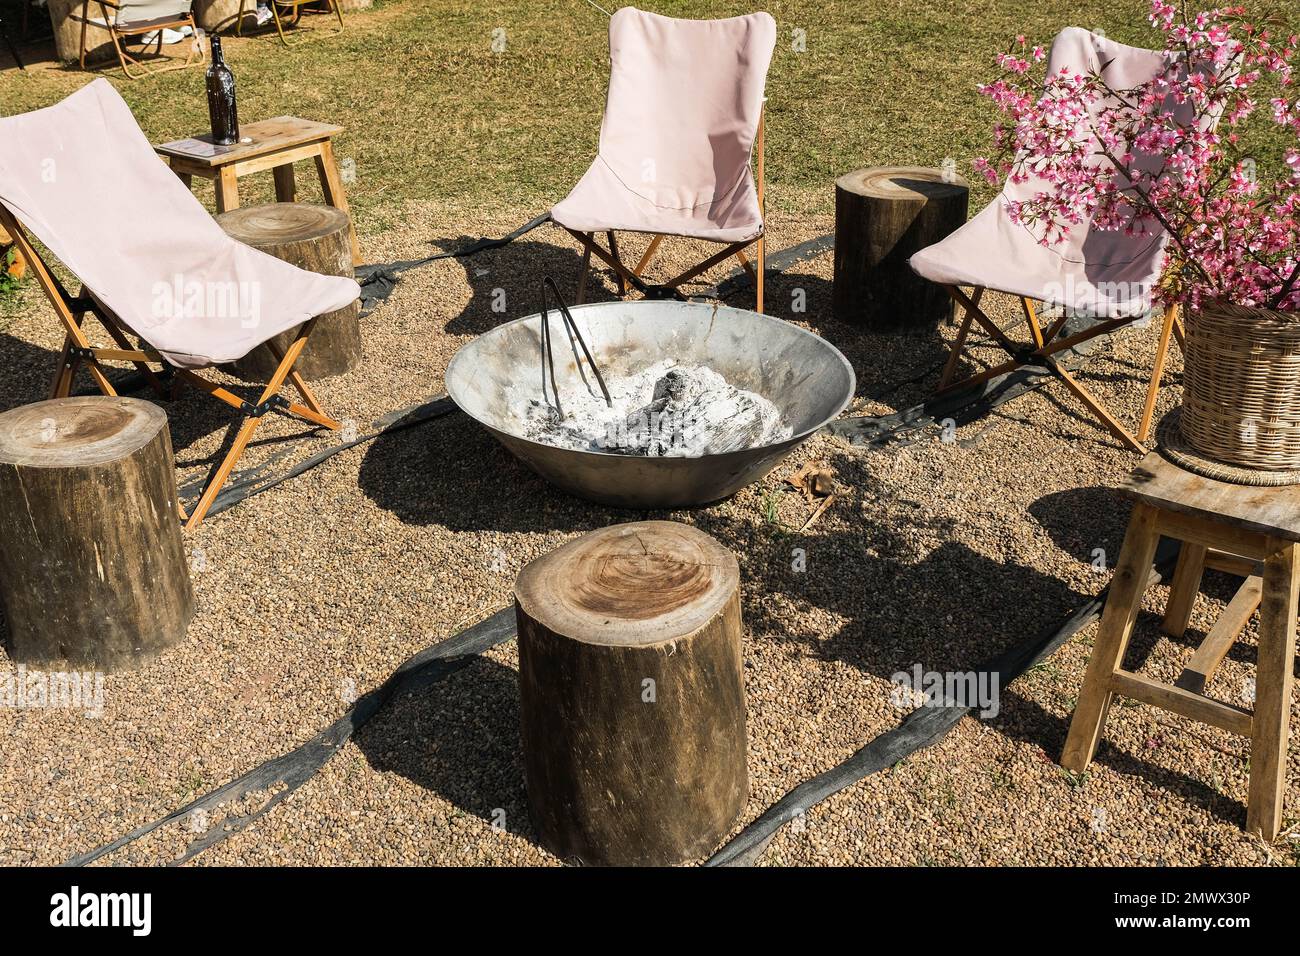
81	176
1106	273
681	117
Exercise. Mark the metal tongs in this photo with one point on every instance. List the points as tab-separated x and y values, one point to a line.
575	340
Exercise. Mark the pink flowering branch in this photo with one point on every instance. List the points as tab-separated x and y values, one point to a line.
1164	156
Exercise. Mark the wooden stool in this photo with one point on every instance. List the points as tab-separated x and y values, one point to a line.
1232	528
274	144
631	694
92	568
882	217
314	238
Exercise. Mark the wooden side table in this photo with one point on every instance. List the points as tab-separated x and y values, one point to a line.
274	144
1254	532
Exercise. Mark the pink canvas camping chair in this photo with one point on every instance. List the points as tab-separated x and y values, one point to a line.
1108	274
82	178
682	118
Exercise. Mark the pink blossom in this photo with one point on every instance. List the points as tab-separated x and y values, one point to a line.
1164	156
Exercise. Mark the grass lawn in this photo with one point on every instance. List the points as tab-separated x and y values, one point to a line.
432	113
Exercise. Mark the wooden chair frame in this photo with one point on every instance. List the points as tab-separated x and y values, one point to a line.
194	57
295	14
1046	345
78	351
632	278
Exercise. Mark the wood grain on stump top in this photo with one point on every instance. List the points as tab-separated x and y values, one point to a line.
902	183
278	223
668	578
77	431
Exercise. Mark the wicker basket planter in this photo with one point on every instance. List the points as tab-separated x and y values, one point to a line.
1241	386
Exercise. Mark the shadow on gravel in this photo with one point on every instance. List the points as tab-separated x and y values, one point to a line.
898	367
456	475
506	283
28	370
191	416
459	740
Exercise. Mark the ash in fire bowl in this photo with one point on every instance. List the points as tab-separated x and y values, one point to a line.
668	410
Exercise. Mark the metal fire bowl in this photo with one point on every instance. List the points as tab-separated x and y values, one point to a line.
806	377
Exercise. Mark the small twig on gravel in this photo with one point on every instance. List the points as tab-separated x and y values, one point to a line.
826	503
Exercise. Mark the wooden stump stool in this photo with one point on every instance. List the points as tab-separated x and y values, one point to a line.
1253	532
315	238
882	217
224	16
68	18
92	569
632	701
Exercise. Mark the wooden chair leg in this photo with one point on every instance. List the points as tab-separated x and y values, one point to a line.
245	434
959	343
61	384
311	408
1184	588
1273	685
648	256
590	248
218	480
581	297
613	251
85	21
703	267
1118	617
1157	370
1031	316
1094	405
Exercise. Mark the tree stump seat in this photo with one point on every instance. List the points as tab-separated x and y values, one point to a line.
632	703
882	217
318	239
92	568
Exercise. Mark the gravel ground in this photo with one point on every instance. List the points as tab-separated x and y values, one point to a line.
938	553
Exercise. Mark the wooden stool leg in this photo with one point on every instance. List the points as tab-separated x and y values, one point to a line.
1125	598
331	184
286	189
1186	585
1273	682
227	189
